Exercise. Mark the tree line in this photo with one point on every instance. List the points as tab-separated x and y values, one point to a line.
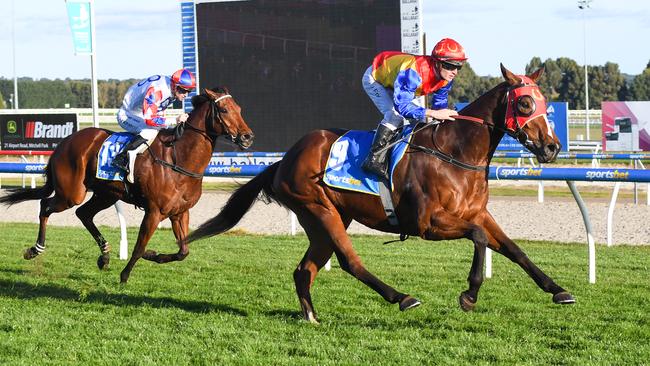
58	93
563	80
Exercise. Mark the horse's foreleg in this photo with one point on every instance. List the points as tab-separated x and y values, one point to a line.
86	213
180	226
447	226
500	242
147	227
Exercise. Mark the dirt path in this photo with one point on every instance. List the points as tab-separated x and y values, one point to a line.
521	218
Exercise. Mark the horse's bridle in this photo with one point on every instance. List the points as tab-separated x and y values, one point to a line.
515	130
210	133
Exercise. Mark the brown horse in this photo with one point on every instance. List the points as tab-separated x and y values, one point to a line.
168	177
441	192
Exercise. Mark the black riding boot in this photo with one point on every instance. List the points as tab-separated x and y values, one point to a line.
121	160
376	160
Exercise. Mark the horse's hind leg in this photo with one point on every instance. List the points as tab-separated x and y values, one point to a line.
500	242
327	224
180	226
86	213
56	203
319	252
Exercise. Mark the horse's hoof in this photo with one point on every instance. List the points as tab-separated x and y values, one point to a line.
409	302
563	298
311	317
123	278
30	253
103	261
466	302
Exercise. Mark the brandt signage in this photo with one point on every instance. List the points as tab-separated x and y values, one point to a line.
41	132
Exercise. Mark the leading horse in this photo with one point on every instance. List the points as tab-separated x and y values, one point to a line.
441	192
168	177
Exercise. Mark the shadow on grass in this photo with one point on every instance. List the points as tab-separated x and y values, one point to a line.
27	291
14	271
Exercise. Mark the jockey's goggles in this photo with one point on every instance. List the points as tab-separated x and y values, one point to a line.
182	90
449	66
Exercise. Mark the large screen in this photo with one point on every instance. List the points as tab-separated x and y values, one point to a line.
295	66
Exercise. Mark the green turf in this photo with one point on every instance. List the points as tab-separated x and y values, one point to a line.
232	301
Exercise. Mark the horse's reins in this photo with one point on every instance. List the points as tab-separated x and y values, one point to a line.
518	134
436	152
214	114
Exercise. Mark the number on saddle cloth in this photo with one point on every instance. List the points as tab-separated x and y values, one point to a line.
110	148
343	169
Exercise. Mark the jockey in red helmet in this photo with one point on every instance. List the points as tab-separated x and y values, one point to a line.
143	112
395	82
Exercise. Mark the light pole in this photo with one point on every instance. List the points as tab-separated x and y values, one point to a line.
583	5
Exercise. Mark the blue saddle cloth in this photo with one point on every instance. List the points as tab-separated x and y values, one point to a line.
111	147
343	169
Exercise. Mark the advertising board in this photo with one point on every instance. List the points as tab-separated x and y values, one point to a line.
626	126
40	132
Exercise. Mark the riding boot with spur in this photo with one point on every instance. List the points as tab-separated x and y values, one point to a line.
121	160
377	157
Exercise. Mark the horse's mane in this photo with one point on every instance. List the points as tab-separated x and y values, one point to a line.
199	99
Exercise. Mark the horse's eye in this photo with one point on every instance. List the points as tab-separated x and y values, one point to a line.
223	110
525	105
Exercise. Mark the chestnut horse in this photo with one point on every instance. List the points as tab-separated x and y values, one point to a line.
168	177
441	192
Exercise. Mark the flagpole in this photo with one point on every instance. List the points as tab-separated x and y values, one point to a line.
14	101
93	67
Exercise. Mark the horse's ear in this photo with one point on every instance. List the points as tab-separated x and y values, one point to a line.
225	88
511	78
210	93
537	74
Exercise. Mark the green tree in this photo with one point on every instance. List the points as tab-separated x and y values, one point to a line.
2	102
551	80
640	88
605	84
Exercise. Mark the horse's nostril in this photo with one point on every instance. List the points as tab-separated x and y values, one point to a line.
247	137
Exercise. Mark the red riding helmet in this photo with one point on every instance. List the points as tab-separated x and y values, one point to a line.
450	51
183	78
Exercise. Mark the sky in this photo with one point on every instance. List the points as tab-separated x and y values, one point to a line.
135	39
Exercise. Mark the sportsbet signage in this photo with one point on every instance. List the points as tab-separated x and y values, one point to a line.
40	132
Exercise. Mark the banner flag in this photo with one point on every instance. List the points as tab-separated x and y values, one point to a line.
79	15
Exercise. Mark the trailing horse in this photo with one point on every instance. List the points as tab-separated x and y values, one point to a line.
441	192
168	177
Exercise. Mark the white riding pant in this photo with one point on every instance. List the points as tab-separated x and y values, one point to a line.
383	99
137	127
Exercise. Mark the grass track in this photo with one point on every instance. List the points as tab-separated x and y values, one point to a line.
232	301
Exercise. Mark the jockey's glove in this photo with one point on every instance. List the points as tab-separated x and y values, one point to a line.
182	118
171	122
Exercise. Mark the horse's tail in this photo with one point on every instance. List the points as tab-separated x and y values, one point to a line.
17	195
237	206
